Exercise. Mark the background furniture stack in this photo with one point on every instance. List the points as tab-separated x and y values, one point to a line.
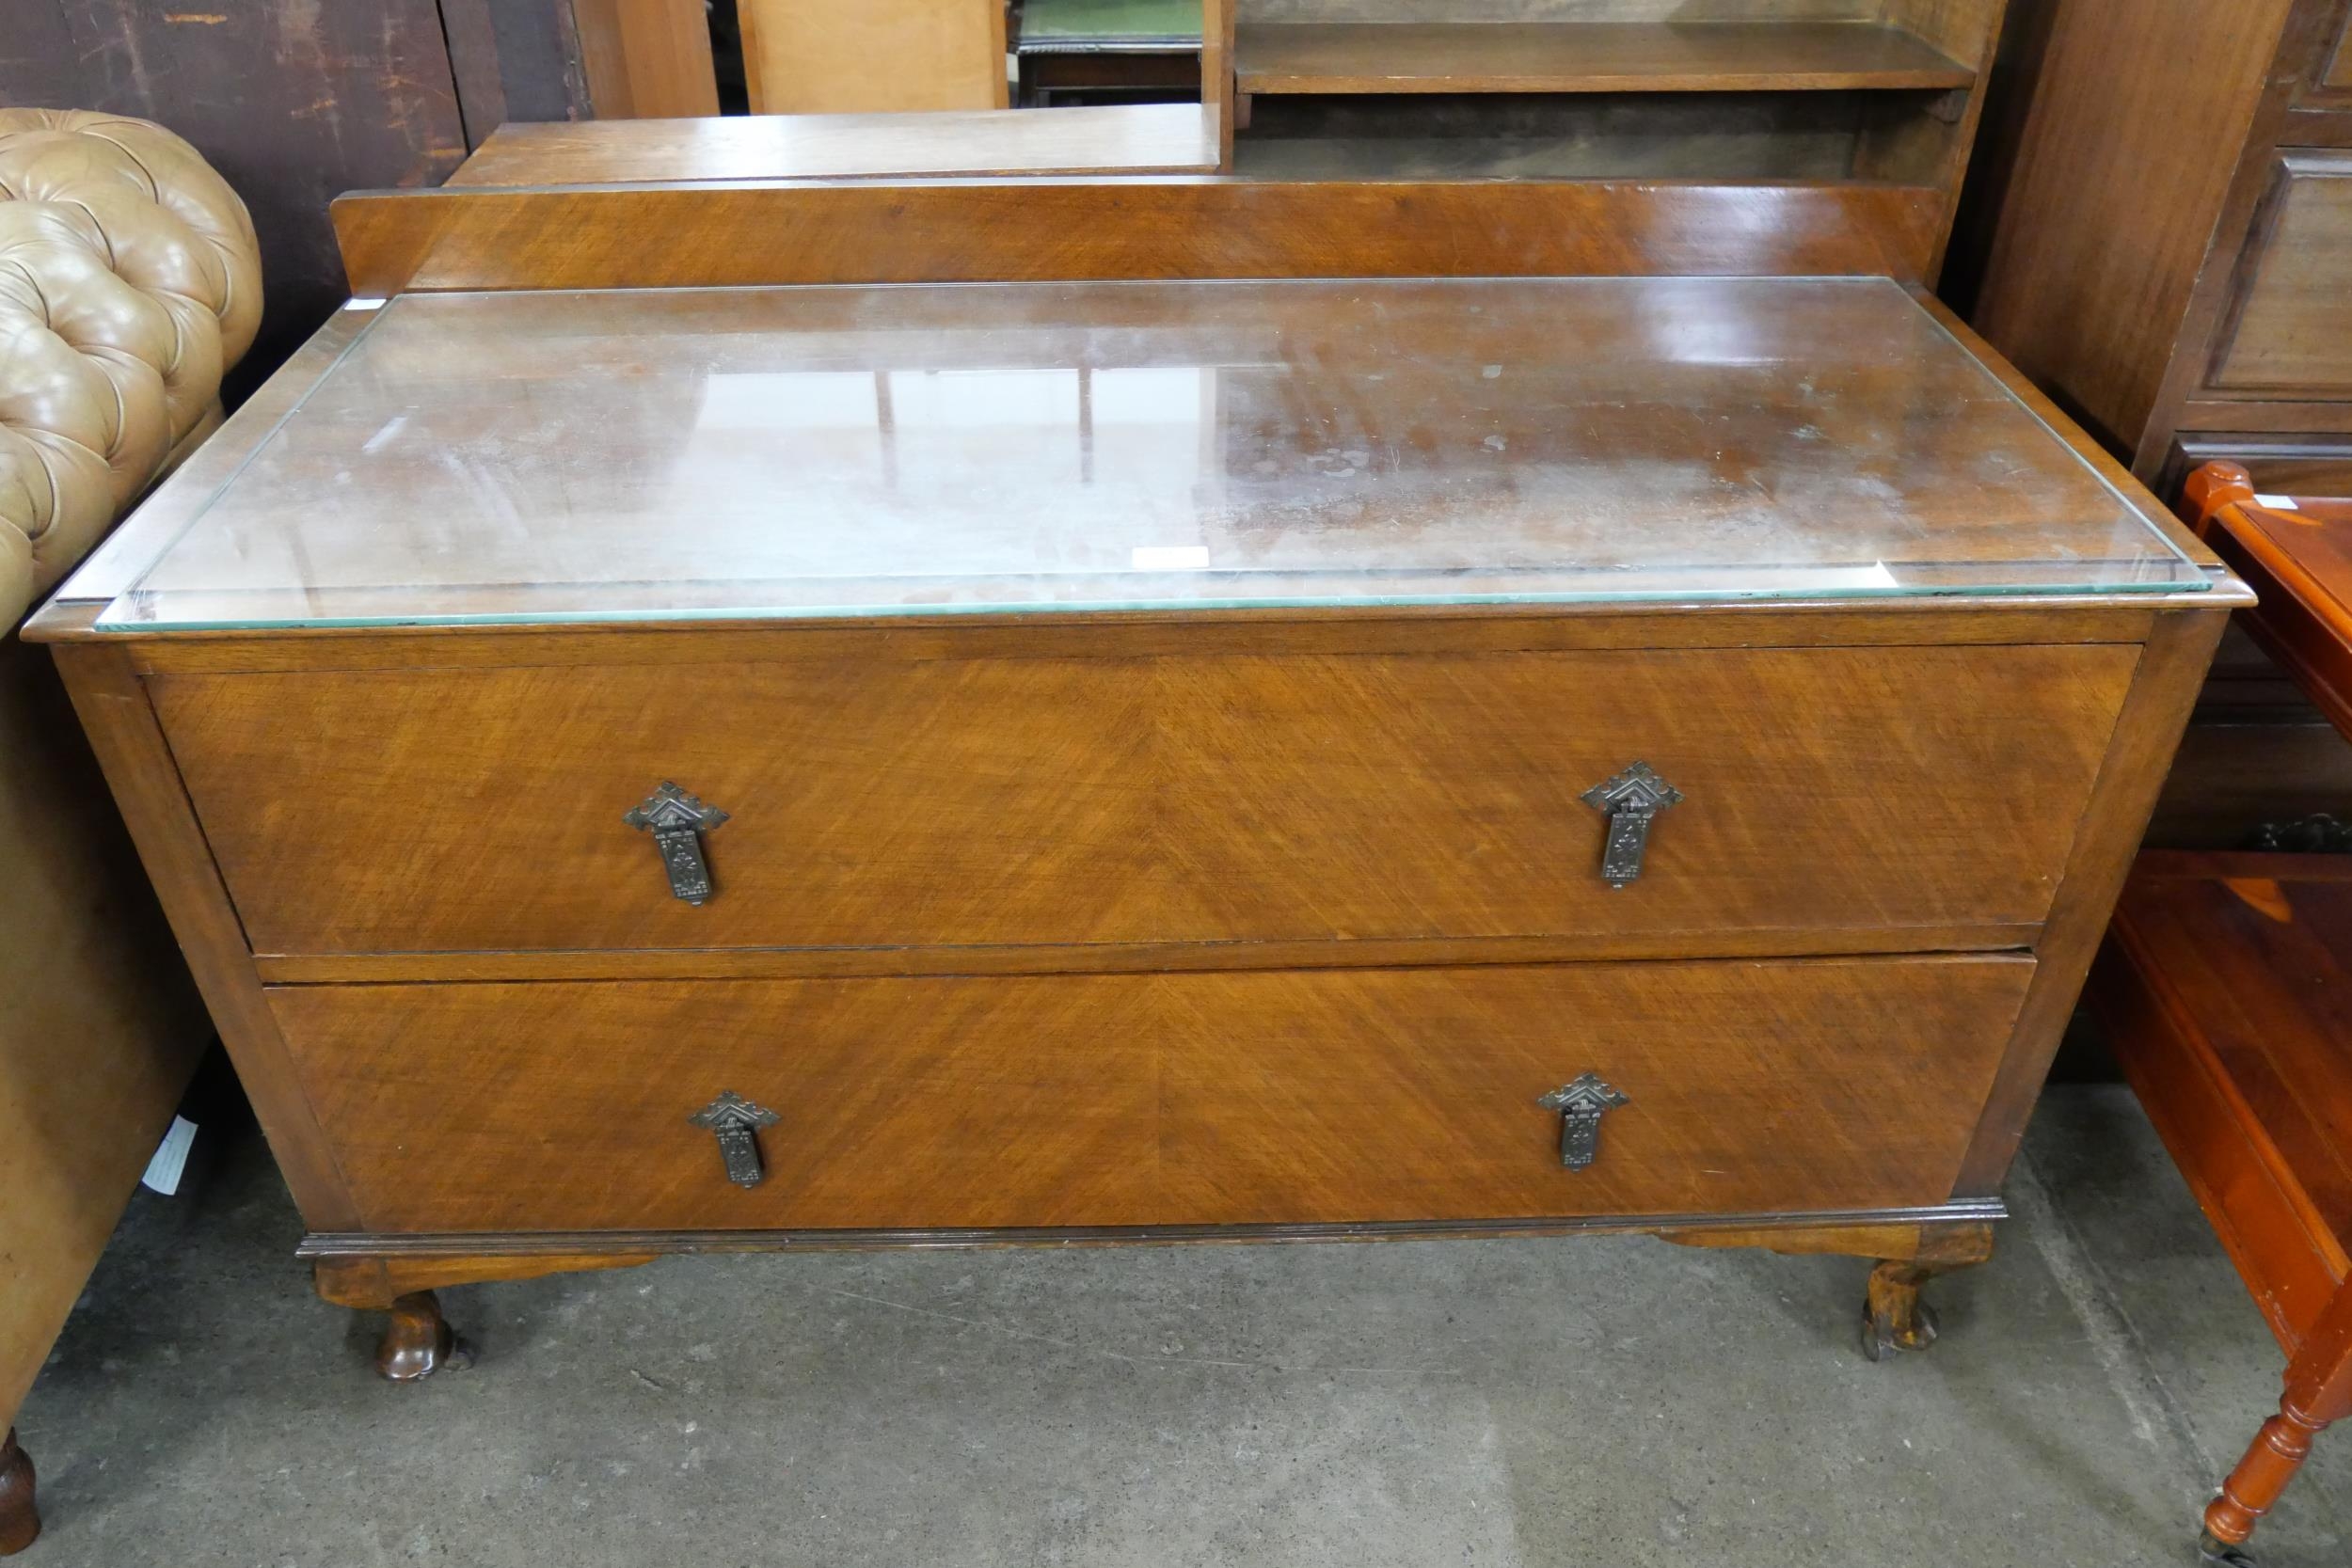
1822	90
2168	230
128	279
2159	232
1109	51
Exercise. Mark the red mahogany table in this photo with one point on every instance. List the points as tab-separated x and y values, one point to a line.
2225	984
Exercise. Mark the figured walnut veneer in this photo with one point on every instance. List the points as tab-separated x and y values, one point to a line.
1238	799
1306	1097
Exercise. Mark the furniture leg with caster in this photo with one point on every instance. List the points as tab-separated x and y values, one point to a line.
1907	1257
419	1341
20	1517
2218	966
2319	1394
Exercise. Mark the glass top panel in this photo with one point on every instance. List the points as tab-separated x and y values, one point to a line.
920	450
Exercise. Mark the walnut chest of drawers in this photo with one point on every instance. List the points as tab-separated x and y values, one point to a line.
658	770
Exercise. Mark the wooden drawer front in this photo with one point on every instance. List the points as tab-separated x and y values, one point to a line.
1165	799
2291	331
1137	1099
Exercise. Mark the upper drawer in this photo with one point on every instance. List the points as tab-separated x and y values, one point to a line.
2288	332
1211	799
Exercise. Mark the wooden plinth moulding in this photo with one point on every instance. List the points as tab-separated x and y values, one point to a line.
1907	1257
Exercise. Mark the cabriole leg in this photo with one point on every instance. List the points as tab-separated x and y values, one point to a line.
418	1340
19	1520
1893	1316
1908	1256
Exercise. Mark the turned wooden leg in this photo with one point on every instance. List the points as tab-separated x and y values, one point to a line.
2319	1394
19	1520
419	1341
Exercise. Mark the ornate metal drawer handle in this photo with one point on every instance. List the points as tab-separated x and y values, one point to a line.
737	1122
677	821
1581	1104
1631	800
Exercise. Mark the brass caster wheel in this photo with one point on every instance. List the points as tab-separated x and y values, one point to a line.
2215	1553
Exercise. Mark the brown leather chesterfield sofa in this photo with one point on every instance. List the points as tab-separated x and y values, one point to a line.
129	280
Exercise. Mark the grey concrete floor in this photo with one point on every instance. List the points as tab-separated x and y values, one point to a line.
1529	1403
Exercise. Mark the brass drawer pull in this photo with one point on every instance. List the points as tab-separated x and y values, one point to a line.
737	1121
1581	1104
677	821
1631	800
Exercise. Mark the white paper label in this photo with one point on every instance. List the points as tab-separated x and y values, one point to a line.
171	1159
2276	503
1170	558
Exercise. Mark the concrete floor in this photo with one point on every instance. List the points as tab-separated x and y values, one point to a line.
1544	1403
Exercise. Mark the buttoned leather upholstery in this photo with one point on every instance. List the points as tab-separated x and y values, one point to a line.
130	279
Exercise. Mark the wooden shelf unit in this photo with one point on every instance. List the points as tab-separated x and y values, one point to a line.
1834	91
1587	57
2221	986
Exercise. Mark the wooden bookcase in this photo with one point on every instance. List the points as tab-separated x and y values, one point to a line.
1811	90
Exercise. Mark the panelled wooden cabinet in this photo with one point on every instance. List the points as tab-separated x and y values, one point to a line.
2158	230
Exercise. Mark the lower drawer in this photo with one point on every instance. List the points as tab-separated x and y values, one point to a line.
1323	1096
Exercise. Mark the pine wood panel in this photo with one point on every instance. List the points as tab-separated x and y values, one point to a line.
1302	1097
1180	799
1728	56
646	58
2292	330
803	58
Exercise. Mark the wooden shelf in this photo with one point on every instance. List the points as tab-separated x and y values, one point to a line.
1585	56
1147	138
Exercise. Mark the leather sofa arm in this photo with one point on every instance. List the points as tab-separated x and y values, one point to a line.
130	280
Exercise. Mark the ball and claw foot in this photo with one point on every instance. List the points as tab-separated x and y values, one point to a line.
1893	1316
19	1519
419	1341
2214	1552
